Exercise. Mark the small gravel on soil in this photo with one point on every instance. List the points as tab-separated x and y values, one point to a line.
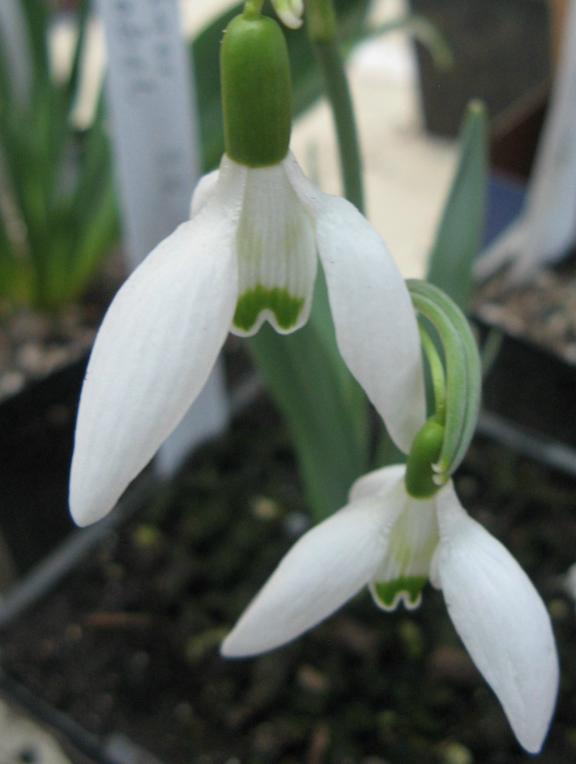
543	310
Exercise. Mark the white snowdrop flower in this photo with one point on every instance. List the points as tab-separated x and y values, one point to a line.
247	255
393	543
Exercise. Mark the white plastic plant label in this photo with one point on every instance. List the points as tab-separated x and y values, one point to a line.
150	99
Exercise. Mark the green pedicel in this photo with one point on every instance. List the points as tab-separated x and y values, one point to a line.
278	301
256	91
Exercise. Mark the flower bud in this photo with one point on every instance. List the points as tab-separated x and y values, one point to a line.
256	91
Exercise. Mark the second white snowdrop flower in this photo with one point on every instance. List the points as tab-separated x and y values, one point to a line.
248	255
393	543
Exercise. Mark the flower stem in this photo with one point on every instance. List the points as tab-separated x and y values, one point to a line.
253	7
321	26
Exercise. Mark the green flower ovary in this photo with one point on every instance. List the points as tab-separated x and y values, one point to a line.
256	91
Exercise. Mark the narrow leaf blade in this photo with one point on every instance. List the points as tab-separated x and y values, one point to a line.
325	410
459	235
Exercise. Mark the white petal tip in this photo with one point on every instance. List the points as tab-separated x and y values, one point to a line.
84	514
532	725
80	519
237	646
531	738
530	743
227	650
322	571
90	500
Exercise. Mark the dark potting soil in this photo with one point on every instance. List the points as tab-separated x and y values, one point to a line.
34	345
542	310
531	380
129	642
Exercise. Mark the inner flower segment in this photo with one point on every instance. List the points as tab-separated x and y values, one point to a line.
276	255
406	566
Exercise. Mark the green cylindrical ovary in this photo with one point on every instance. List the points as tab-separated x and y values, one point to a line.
423	455
256	91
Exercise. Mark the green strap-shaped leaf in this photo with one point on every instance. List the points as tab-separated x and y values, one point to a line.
8	260
459	235
37	20
324	408
463	370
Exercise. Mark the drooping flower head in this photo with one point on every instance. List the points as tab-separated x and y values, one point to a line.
403	526
247	255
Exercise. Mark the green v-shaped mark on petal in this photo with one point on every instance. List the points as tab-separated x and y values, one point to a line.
276	300
406	589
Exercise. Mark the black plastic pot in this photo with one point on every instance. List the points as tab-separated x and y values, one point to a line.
528	393
42	542
492	59
40	423
36	433
528	400
37	427
80	745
